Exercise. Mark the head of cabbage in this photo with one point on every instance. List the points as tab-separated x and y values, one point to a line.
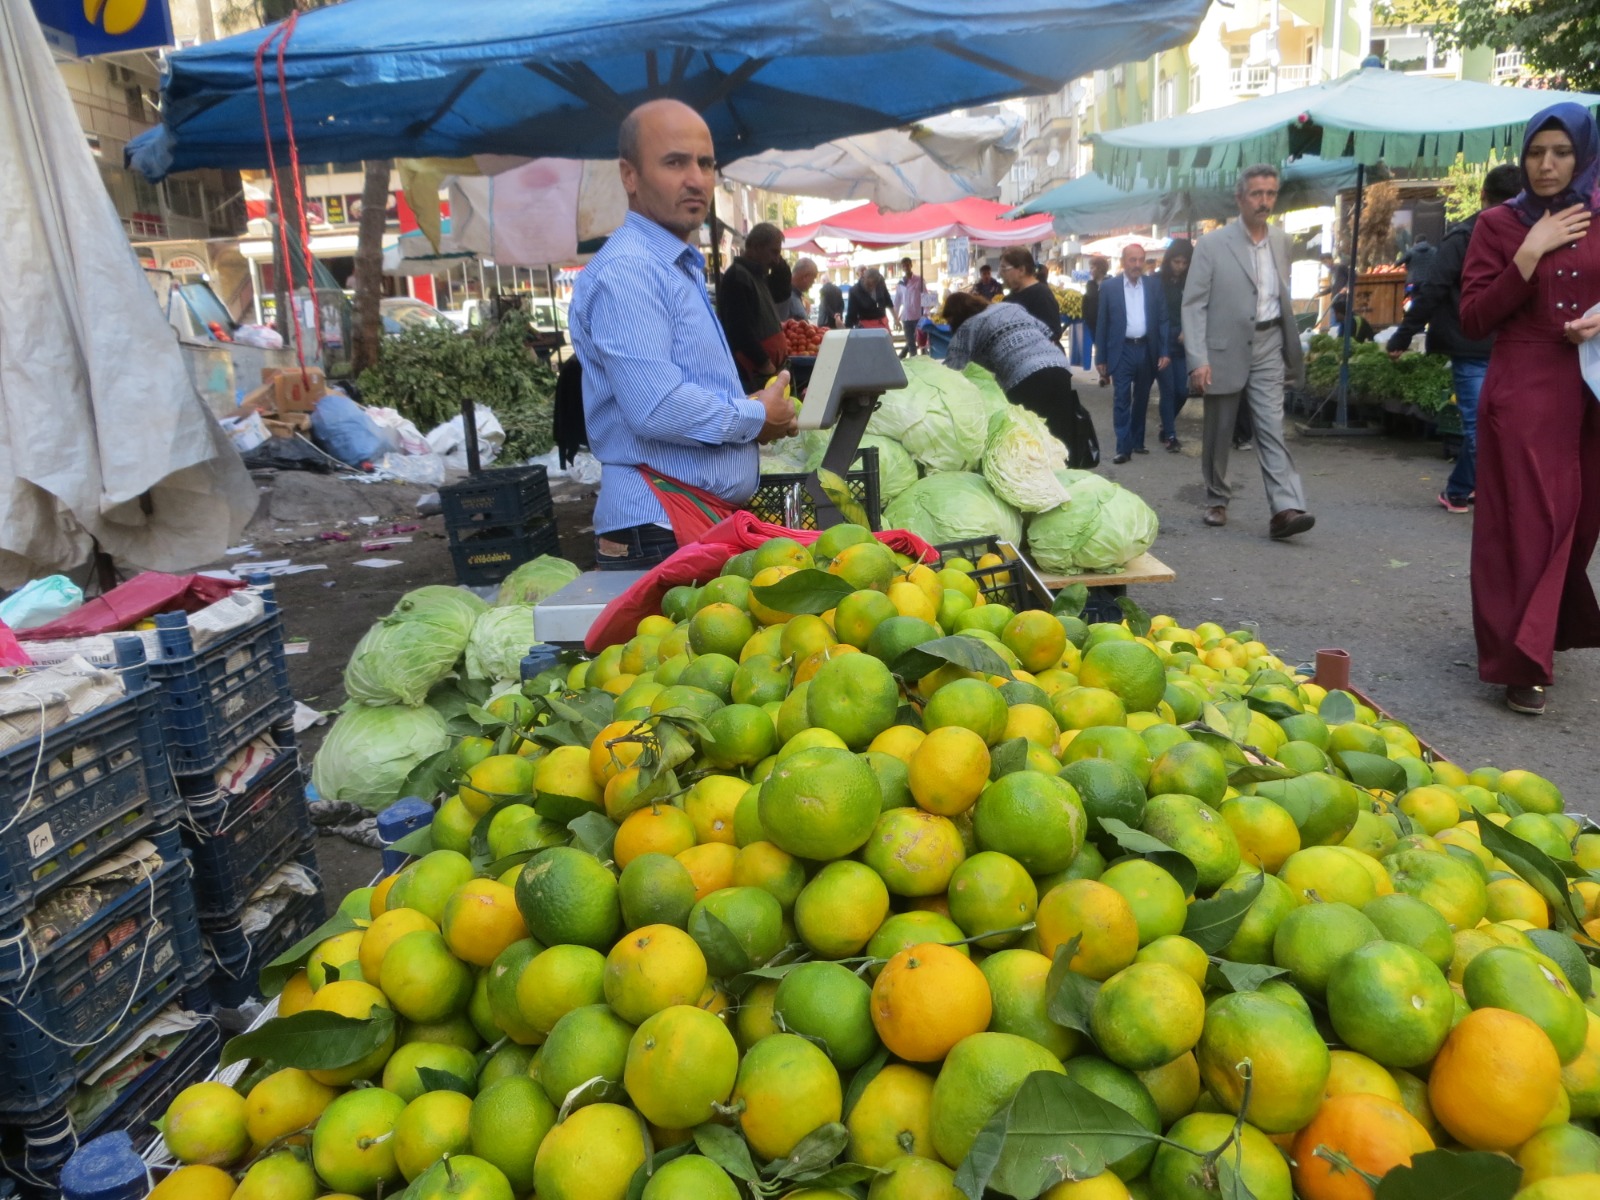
1021	460
370	750
1102	527
413	648
535	580
939	417
500	640
953	507
994	396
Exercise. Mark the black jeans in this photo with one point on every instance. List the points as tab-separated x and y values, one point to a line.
1049	394
646	545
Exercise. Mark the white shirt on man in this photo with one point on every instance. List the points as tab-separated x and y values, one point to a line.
1266	272
1133	295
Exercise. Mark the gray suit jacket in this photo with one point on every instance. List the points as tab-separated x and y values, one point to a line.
1219	307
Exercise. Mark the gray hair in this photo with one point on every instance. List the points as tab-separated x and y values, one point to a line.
804	265
1259	171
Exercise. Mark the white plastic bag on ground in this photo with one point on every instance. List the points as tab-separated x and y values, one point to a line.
405	435
450	439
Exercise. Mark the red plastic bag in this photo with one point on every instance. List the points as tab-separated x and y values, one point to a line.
142	596
700	561
11	652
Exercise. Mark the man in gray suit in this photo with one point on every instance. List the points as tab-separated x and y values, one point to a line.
1239	330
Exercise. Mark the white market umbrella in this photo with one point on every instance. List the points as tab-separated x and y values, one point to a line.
103	439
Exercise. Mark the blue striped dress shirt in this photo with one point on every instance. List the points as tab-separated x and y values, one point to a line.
659	384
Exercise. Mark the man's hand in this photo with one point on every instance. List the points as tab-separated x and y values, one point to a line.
1200	377
1163	363
1105	373
782	420
1395	354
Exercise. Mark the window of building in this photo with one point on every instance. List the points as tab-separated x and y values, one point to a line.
133	98
186	198
1194	86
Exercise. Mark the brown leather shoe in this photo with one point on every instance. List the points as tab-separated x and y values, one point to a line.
1528	700
1290	522
1217	514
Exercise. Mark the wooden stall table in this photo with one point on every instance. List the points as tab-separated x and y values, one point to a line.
1106	587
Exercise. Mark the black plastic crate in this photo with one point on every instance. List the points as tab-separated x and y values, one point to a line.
62	1006
240	957
1006	584
82	789
487	557
496	498
771	500
236	841
217	699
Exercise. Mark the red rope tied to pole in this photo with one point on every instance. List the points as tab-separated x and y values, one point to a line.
281	33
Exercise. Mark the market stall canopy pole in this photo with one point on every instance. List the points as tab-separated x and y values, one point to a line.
1412	123
1092	205
415	78
104	442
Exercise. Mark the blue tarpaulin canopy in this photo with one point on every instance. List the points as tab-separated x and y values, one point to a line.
1410	122
418	78
1091	204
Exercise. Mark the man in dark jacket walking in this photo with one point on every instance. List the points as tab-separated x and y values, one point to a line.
1435	304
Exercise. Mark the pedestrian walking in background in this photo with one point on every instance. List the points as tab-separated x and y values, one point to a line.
1133	349
1532	273
830	305
867	306
908	306
747	311
1099	268
1240	337
1436	306
1172	381
1018	272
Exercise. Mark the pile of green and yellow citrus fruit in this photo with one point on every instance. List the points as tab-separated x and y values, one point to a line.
1281	921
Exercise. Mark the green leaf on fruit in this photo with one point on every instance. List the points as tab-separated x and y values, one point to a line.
1337	708
563	810
313	1040
728	1150
972	654
1052	1129
1171	861
805	591
812	1156
1226	976
1213	923
1534	866
1070	601
431	777
435	1080
277	972
1008	758
864	1074
415	844
1371	771
595	834
1259	773
1452	1175
1069	996
1133	616
1276	710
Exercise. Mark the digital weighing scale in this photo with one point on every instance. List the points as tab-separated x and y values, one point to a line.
854	367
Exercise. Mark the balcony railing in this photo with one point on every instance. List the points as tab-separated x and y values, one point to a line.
1258	78
1507	65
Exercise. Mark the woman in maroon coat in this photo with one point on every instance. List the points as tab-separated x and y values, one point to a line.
1532	272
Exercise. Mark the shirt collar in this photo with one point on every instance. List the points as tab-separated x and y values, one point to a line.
664	244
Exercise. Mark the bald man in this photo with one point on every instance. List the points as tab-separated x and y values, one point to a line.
661	396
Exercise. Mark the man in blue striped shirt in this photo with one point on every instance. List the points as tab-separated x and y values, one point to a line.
659	386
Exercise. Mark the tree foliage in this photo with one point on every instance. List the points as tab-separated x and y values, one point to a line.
1558	38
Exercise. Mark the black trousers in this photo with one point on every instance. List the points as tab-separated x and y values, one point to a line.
1050	395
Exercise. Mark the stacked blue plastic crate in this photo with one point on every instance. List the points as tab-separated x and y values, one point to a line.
73	996
215	702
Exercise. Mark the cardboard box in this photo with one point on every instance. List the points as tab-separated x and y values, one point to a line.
286	425
295	390
262	400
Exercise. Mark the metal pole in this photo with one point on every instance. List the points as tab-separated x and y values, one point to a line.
1342	415
716	238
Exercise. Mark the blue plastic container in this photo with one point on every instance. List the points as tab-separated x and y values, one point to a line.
395	822
108	1168
538	659
237	841
64	1004
82	789
215	700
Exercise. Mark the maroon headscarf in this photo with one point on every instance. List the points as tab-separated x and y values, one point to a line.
1579	124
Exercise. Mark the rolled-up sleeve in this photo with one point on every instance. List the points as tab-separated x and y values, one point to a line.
630	328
